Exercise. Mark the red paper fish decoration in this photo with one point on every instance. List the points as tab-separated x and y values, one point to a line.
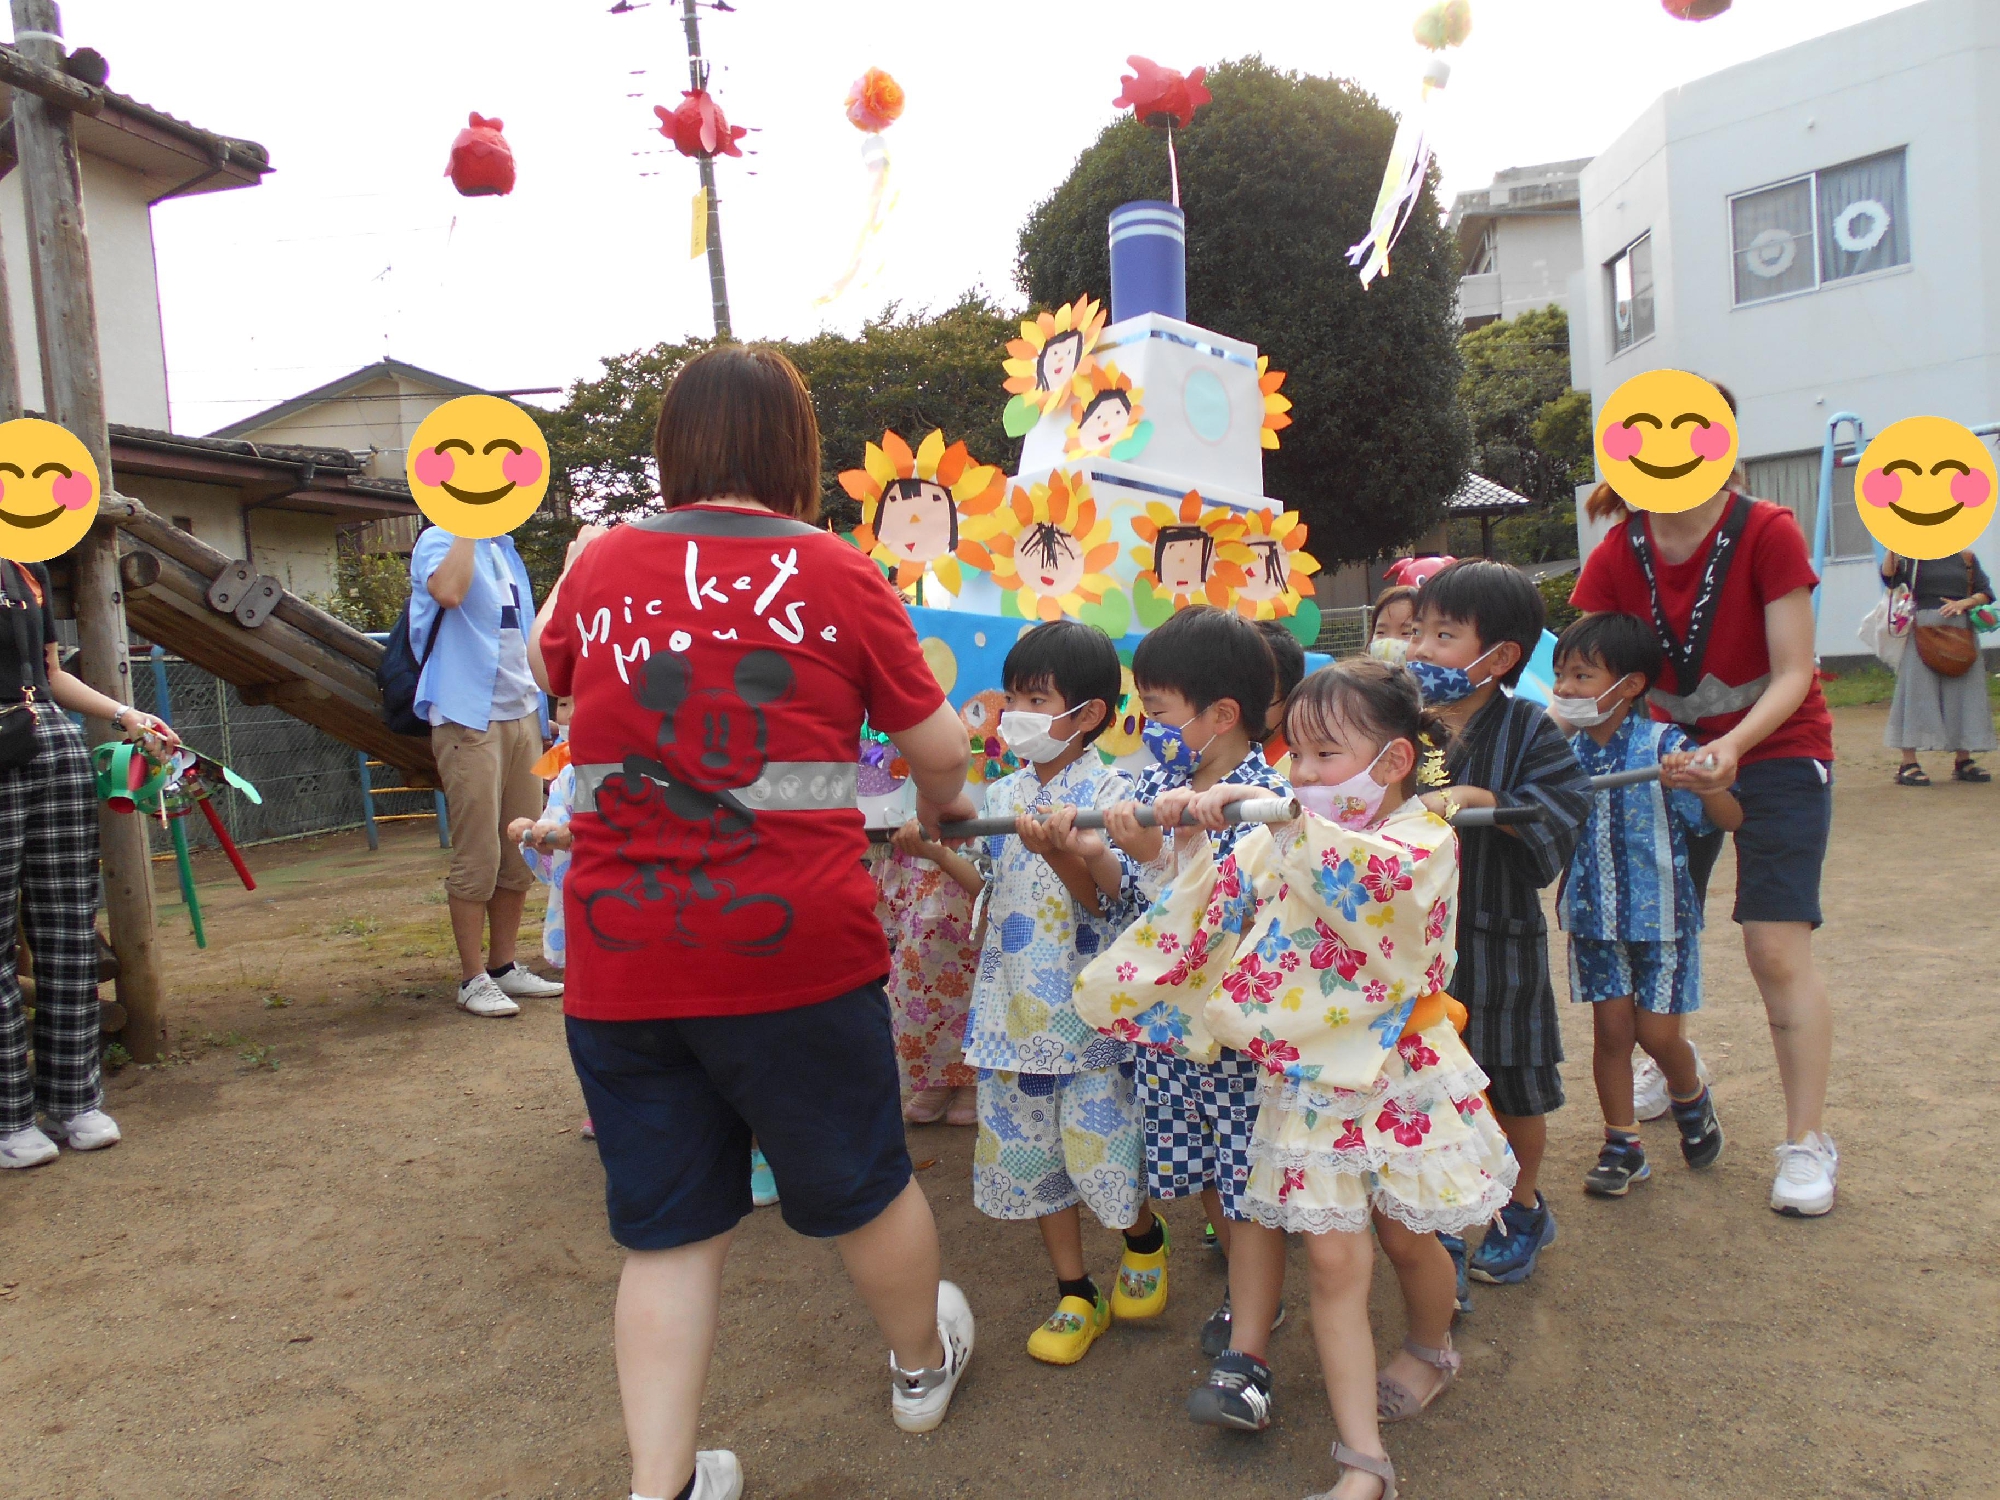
1694	10
697	126
1412	572
482	163
1160	95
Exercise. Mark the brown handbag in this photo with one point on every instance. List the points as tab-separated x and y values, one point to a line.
1948	650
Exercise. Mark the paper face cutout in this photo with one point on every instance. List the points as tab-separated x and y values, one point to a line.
1049	365
1666	441
49	489
1278	577
931	509
478	466
1191	554
1925	487
1052	551
1111	419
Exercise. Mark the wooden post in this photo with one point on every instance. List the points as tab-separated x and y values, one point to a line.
718	283
10	361
73	395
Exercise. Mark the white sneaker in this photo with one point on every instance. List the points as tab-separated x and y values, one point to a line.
918	1398
26	1148
1650	1099
92	1130
717	1476
525	984
1804	1186
481	996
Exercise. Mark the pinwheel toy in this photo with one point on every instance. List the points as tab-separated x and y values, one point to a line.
147	777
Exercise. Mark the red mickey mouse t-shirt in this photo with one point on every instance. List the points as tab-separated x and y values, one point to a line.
720	686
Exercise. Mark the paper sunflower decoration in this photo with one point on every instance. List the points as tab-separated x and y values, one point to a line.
1280	570
926	510
1049	365
1053	556
1110	419
1193	553
1275	405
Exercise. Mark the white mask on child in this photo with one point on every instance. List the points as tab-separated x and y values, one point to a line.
1027	734
1586	713
1352	803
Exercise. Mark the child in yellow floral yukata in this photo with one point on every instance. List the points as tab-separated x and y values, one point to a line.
1058	1119
926	894
1321	948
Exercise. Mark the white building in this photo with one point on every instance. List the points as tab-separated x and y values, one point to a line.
1817	230
1520	241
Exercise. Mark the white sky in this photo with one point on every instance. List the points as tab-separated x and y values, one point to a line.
356	246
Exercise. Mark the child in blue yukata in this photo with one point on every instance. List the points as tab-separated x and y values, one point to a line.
1629	904
1058	1121
1206	678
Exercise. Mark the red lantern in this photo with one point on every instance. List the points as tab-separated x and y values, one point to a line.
482	163
1161	96
697	126
1694	10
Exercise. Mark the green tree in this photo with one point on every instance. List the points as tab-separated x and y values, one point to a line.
1530	431
1278	177
369	588
907	371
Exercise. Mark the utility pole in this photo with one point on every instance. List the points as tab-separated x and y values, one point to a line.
73	393
718	285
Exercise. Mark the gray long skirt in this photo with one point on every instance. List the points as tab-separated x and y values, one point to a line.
1938	713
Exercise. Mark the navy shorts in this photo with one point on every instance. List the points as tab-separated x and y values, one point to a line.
677	1102
1781	847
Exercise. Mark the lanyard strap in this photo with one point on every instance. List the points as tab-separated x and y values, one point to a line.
1688	655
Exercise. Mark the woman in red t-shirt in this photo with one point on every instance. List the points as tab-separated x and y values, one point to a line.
1728	587
725	963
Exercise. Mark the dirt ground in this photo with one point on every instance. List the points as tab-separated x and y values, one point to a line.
353	1246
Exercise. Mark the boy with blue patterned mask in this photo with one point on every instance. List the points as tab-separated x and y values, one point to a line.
1206	678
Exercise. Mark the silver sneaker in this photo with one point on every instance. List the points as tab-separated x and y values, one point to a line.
1650	1099
480	996
526	984
918	1398
92	1130
26	1148
1807	1170
717	1476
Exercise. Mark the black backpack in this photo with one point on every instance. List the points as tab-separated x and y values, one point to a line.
398	672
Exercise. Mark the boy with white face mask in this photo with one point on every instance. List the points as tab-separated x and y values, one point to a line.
1058	1122
1629	905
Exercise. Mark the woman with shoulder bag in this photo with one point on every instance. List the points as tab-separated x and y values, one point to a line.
1940	701
48	881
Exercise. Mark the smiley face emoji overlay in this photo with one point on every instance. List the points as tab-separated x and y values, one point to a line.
1666	441
478	466
1925	487
49	490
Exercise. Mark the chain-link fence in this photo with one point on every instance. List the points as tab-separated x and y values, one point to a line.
1343	632
310	781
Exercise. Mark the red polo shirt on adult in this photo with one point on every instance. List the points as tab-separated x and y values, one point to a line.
1771	562
720	684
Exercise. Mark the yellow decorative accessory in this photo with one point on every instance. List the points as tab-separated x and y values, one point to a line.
1279	576
931	509
1193	553
1049	365
1275	405
1053	555
1070	1331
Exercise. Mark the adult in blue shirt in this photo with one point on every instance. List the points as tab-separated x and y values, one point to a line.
489	725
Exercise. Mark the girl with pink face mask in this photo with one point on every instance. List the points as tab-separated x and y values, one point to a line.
1322	948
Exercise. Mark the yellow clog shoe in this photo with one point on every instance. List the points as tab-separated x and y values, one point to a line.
1142	1283
1070	1331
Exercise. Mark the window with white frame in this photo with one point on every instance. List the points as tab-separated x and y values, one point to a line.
1631	273
1792	480
1797	236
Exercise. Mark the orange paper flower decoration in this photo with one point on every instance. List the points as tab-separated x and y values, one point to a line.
1280	570
1193	553
874	101
1054	554
1275	405
928	509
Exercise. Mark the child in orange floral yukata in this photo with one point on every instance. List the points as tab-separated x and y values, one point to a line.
926	899
1322	947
